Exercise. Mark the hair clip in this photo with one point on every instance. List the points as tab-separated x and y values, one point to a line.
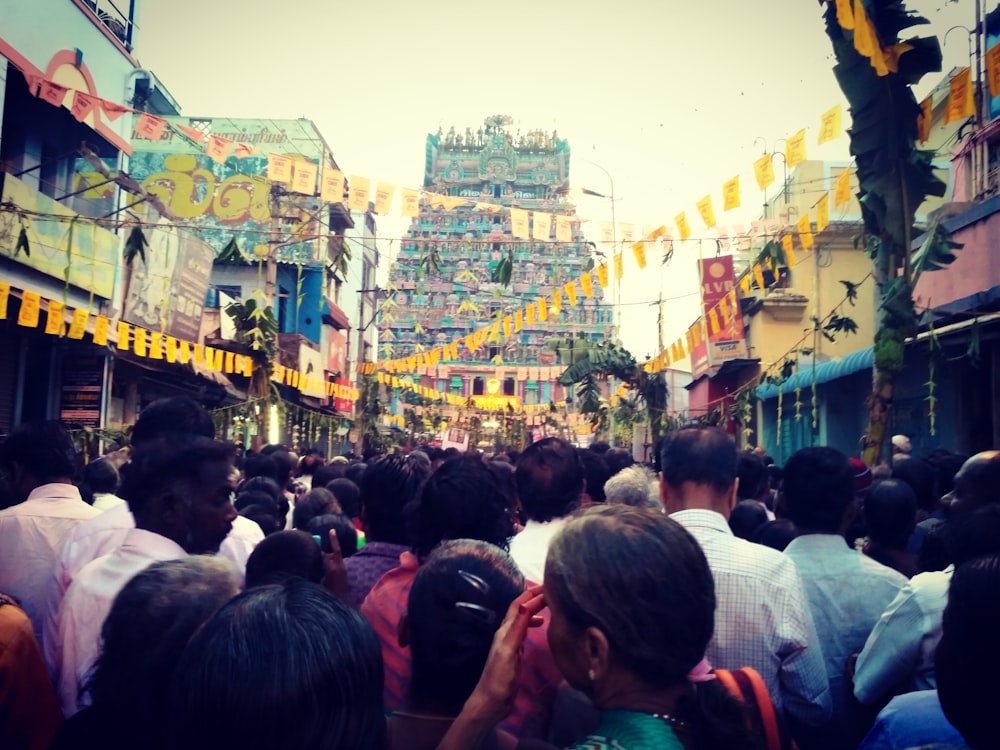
475	581
477	611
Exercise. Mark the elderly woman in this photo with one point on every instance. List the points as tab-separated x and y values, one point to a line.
632	607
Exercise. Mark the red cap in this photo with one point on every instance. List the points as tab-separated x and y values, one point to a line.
862	475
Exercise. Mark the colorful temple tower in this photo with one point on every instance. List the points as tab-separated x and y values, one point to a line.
450	254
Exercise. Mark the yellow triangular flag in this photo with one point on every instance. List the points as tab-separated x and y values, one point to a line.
383	198
156	345
541	226
123	335
139	343
564	228
518	321
332	186
842	191
587	285
786	245
507	322
411	202
639	250
570	289
795	149
4	299
556	301
683	227
54	320
745	285
359	193
763	170
822	213
543	312
758	275
618	266
529	314
804	228
519	224
602	275
960	103
731	194
845	15
79	324
170	345
101	324
706	211
713	321
829	125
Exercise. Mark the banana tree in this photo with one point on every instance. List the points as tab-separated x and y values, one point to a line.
894	176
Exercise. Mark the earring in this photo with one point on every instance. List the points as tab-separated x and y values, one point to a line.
592	675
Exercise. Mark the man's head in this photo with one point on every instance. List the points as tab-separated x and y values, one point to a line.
37	453
164	416
817	490
976	484
698	468
387	486
181	487
284	555
549	479
901	445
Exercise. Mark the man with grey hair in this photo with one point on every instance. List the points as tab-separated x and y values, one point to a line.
631	486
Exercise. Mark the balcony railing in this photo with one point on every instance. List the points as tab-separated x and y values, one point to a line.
115	20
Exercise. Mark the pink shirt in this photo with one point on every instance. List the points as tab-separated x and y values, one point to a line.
30	535
540	677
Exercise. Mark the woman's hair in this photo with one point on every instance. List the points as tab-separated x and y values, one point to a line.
458	600
968	652
285	666
146	630
99	475
348	496
316	502
643	581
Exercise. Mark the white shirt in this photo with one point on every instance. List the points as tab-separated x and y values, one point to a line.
899	653
530	548
106	501
88	601
847	593
97	537
30	535
762	618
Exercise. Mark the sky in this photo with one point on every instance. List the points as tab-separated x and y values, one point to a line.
669	99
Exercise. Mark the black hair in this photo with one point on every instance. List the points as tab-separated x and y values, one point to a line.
284	464
259	465
971	535
347	535
388	485
316	502
177	414
746	517
595	473
283	555
147	628
618	459
168	462
260	498
776	534
355	472
817	487
44	449
348	496
262	484
461	500
459	598
605	570
968	648
947	465
263	516
328	472
700	455
99	475
891	511
922	478
752	473
549	479
293	653
308	464
600	447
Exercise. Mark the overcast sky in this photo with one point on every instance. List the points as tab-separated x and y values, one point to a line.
671	98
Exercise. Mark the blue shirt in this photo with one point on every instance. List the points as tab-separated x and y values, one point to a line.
912	720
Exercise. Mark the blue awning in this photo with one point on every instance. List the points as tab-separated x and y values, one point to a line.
824	372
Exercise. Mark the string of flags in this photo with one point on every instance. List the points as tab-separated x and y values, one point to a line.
154	345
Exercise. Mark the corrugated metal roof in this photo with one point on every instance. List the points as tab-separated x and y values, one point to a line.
824	372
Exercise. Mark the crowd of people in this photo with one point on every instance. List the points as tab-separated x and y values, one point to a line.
182	595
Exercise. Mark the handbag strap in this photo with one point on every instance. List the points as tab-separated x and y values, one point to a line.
748	687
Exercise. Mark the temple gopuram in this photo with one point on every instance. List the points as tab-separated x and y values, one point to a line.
446	269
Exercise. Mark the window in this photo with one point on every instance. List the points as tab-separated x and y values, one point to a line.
494	351
509	387
478	386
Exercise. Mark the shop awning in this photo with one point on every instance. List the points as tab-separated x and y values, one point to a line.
824	372
337	317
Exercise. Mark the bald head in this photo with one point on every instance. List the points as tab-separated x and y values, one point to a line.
977	484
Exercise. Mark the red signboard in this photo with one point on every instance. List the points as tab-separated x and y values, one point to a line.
717	281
